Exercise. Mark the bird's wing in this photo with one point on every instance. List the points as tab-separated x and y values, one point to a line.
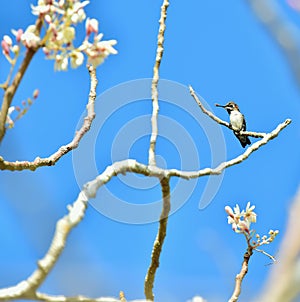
244	124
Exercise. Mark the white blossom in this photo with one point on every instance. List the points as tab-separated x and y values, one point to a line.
76	58
29	38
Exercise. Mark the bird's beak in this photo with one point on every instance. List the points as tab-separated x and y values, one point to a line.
218	105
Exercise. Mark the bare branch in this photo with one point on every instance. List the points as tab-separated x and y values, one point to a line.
240	276
221	122
60	298
51	160
159	241
219	169
131	165
154	91
11	90
207	112
266	254
27	288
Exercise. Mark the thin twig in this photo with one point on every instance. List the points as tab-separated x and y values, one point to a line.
221	122
205	111
159	241
10	73
266	254
51	160
154	91
240	276
11	90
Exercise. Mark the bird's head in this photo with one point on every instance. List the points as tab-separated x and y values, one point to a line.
230	106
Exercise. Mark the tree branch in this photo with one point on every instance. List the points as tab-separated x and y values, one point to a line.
11	90
27	289
154	91
60	298
219	169
226	124
51	160
159	241
240	276
205	111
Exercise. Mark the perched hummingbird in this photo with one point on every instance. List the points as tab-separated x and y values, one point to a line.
237	122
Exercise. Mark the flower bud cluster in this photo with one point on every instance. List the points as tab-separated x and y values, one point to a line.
241	223
59	19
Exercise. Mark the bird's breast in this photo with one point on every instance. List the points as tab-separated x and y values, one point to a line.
236	120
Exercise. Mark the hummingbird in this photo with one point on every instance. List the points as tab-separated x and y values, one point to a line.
237	122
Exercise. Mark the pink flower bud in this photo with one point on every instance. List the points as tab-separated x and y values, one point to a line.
91	26
36	93
19	35
5	47
244	226
48	19
8	40
229	211
46	51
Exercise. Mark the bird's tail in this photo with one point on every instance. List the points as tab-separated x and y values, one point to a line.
244	139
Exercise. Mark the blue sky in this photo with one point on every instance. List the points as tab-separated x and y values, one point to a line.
225	54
